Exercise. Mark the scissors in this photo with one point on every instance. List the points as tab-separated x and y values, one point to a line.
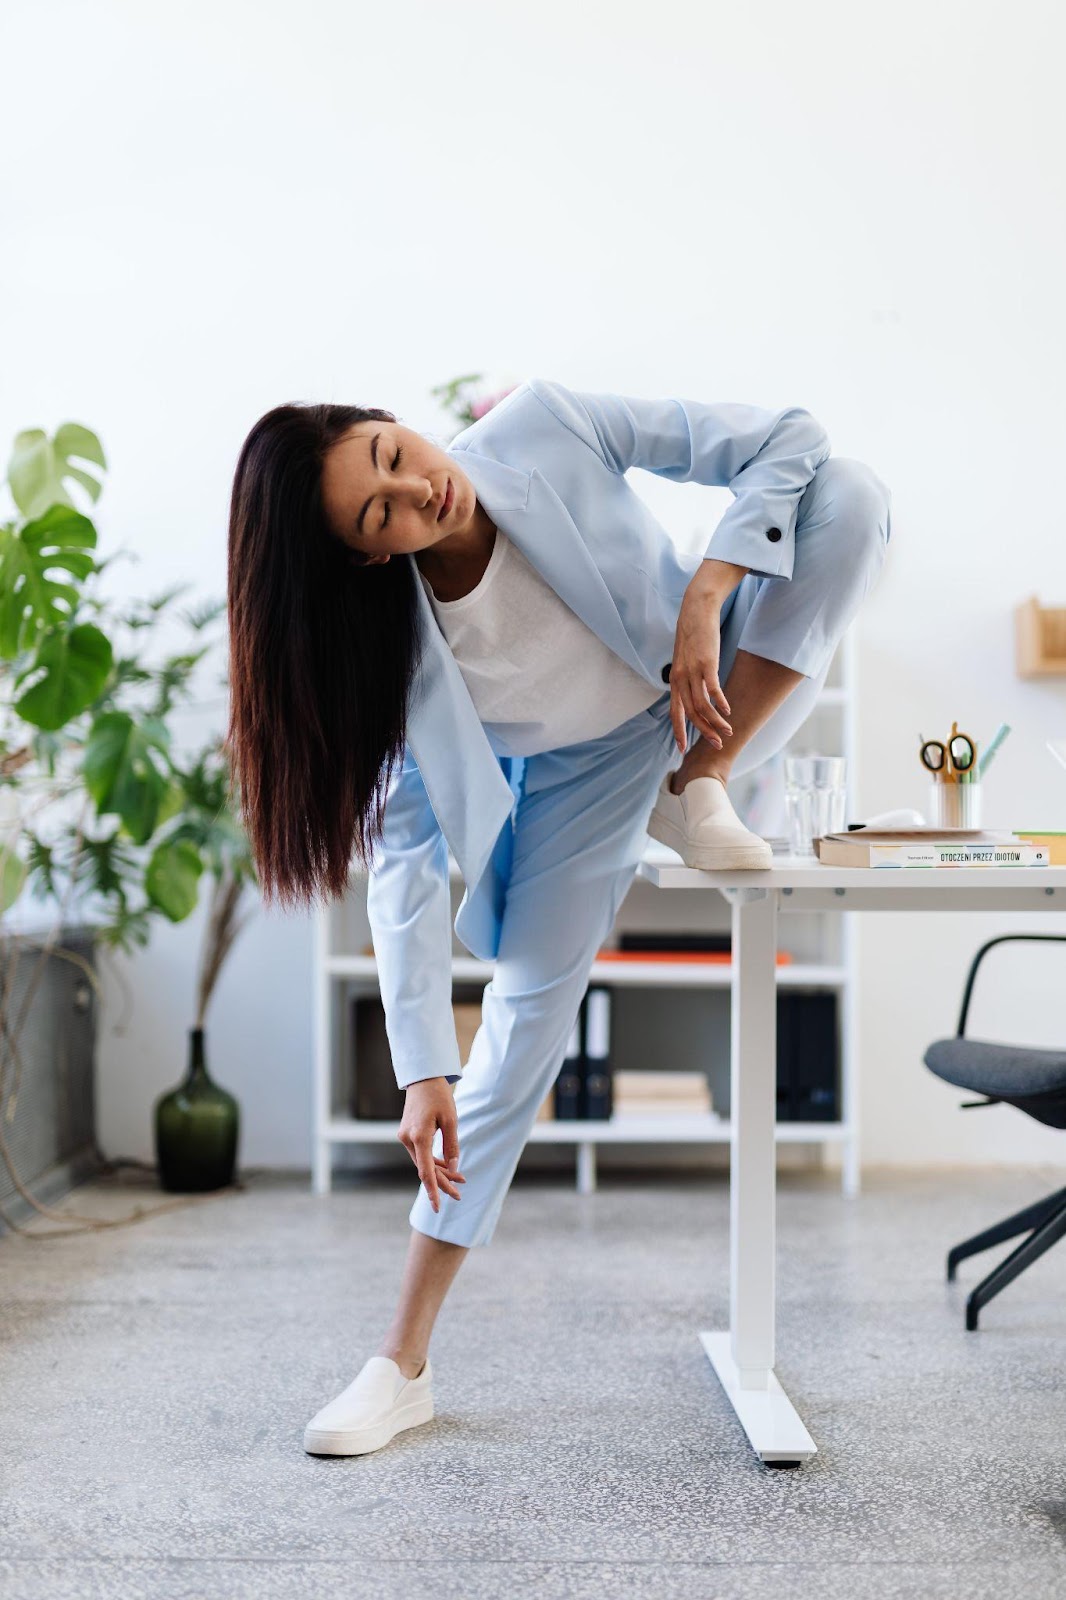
952	760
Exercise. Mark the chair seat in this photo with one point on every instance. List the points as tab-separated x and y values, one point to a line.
1003	1070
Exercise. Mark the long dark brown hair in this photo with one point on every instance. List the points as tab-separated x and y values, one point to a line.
322	649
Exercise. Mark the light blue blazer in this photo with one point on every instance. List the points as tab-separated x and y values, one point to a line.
548	464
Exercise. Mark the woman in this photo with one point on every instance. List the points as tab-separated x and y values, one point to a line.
467	648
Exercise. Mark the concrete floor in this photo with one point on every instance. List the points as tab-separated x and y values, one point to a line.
156	1380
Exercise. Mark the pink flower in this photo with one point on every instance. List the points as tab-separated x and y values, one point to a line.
480	408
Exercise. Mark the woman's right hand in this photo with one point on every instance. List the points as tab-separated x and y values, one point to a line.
428	1105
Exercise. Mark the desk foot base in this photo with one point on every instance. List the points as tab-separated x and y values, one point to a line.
767	1415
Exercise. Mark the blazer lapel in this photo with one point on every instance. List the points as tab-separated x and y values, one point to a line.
533	516
467	788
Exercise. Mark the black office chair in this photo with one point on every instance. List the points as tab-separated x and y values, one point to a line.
1035	1082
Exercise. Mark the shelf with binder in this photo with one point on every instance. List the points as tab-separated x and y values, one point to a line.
680	1054
621	1129
675	975
676	999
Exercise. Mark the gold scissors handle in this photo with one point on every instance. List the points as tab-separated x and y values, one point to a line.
958	754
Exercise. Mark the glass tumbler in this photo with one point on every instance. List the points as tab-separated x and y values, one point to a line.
815	799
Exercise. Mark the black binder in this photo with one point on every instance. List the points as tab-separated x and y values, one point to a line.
808	1057
568	1085
599	1080
722	943
375	1094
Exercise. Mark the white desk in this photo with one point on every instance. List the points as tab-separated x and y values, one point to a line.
743	1357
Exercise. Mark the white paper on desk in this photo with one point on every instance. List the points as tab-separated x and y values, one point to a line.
922	835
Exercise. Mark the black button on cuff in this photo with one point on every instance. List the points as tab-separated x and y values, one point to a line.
773	534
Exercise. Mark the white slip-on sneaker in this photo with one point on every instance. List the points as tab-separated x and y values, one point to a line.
701	825
377	1404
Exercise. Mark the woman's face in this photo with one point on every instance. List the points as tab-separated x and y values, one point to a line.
387	491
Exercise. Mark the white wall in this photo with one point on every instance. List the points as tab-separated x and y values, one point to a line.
854	208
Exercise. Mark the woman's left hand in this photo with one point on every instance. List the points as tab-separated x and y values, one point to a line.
695	692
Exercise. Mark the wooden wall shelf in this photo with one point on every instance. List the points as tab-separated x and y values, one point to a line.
1039	639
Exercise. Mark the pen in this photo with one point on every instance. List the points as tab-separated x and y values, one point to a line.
997	739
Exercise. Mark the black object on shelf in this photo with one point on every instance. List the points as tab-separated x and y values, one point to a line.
376	1096
567	1094
599	1079
718	942
808	1056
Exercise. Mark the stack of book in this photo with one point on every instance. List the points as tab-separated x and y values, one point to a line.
650	1094
931	847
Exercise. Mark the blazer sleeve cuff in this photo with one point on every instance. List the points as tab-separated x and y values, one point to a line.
759	533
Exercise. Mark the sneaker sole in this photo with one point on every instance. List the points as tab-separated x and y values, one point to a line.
360	1441
710	857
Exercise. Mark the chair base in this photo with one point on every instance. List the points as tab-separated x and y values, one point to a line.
1047	1221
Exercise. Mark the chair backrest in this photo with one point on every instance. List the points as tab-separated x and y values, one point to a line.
978	959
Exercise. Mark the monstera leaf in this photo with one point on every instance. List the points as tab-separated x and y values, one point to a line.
39	465
172	879
122	771
13	873
31	600
75	664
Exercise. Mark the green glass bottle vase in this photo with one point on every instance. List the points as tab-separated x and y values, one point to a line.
196	1129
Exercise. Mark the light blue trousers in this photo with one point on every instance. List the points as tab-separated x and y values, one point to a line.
580	832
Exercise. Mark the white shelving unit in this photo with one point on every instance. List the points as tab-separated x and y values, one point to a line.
341	970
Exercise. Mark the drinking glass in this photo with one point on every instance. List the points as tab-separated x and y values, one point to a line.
815	799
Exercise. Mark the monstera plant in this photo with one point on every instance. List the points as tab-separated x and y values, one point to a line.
101	815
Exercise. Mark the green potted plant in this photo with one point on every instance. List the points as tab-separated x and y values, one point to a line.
103	816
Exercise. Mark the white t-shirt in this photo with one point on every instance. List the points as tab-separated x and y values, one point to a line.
538	676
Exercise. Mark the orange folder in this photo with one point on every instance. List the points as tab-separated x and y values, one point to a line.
722	957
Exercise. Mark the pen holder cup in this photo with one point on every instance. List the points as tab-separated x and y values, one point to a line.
955	805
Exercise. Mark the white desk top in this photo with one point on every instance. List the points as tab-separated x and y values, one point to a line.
666	870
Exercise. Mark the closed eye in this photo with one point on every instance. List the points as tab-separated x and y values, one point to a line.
395	464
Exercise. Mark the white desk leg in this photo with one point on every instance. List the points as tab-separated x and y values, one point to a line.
743	1358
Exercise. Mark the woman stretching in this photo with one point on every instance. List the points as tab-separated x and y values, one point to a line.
496	648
